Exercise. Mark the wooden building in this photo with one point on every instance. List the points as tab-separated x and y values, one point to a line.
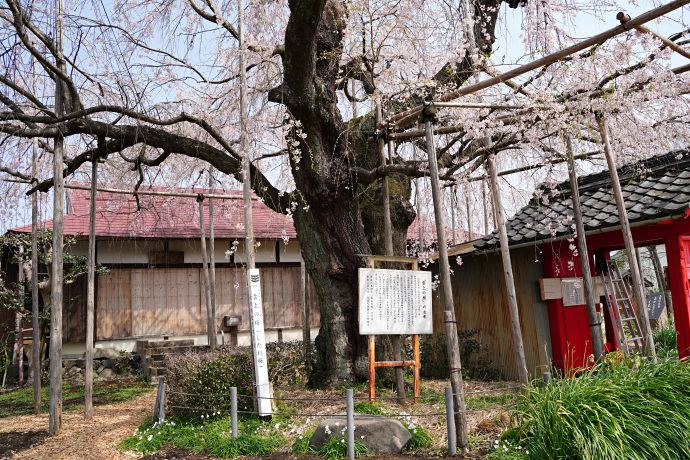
543	246
155	286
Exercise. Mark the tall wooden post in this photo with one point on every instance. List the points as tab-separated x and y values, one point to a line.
469	214
56	278
210	320
90	293
449	305
212	258
486	208
453	210
590	293
35	313
638	288
388	235
508	273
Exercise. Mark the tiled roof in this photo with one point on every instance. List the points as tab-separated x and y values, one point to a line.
654	188
168	217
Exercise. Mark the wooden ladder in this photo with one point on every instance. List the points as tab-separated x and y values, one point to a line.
626	328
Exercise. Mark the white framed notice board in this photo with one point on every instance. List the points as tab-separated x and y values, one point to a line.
394	302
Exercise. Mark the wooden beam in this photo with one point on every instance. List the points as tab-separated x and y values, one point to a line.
447	291
590	296
90	295
212	259
35	312
210	320
56	275
410	116
508	274
638	287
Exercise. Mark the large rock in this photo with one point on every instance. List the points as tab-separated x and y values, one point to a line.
378	433
107	374
107	352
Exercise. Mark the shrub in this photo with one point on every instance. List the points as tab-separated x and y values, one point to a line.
434	354
205	378
616	411
666	341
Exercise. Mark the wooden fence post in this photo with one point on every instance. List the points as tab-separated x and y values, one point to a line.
212	259
90	290
210	320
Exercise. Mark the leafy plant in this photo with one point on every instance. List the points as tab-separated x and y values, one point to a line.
364	407
632	410
666	341
301	445
337	448
420	438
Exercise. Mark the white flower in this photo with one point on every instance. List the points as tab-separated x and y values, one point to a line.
277	425
362	436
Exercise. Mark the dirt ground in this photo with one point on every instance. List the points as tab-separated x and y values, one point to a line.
24	437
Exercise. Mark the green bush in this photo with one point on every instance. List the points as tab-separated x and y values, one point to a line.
206	378
633	410
666	341
475	365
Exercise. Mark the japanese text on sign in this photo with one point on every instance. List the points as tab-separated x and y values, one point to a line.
394	302
256	316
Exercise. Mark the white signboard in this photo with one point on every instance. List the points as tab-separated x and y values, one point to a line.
394	302
256	315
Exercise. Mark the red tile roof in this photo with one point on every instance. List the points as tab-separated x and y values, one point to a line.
168	217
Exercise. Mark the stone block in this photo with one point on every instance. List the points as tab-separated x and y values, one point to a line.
380	434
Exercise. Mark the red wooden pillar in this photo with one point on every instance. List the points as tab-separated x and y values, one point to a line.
678	259
571	341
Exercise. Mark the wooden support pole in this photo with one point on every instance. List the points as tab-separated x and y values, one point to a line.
388	235
90	294
449	305
35	312
210	320
638	287
56	275
453	212
508	273
20	348
469	213
590	293
486	208
212	259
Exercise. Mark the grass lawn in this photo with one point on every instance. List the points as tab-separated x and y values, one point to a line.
21	401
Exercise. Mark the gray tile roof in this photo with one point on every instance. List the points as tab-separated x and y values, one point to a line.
653	188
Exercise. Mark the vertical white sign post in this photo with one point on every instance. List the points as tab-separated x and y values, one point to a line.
256	314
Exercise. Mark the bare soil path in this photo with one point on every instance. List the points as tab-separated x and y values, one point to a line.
79	439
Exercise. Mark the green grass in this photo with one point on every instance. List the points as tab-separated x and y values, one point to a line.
210	434
336	447
21	401
666	342
364	407
635	410
483	400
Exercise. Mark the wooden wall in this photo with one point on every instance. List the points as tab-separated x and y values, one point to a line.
139	302
481	303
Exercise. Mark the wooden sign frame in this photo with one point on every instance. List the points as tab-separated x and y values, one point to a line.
415	362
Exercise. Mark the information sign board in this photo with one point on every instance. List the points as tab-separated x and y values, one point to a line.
394	302
256	315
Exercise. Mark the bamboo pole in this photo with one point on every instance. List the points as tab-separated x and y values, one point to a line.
638	288
469	213
210	320
90	294
212	259
449	306
388	240
508	273
56	277
486	208
590	292
453	211
409	116
35	313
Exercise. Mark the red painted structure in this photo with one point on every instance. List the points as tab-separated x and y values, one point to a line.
570	336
